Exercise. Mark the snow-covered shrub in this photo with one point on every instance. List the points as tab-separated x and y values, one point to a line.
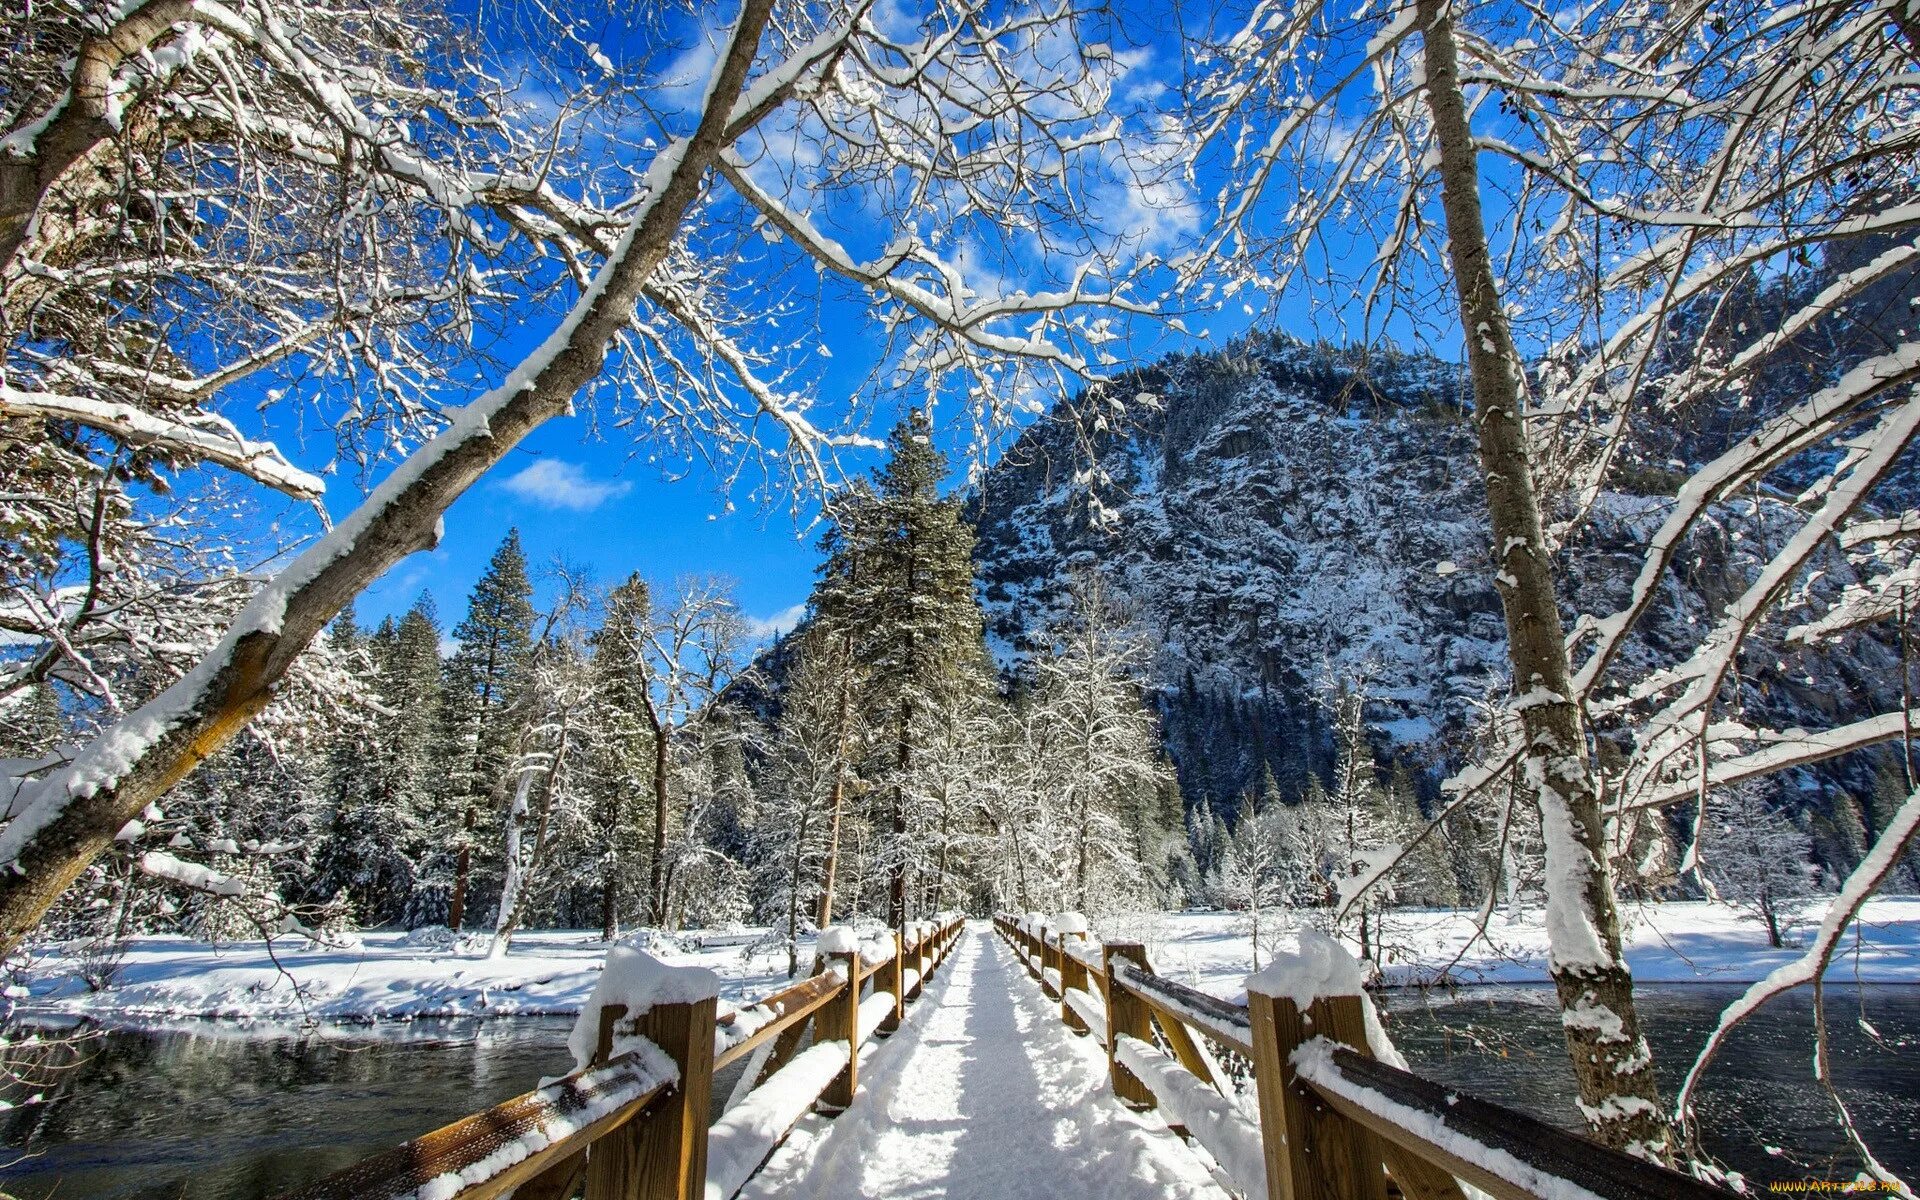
430	937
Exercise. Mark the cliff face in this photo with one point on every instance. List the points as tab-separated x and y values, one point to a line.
1287	512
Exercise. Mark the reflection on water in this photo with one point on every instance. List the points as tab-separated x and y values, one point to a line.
213	1111
1504	1044
220	1112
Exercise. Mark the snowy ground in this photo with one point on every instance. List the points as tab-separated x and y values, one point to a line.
384	978
1678	942
551	973
984	1095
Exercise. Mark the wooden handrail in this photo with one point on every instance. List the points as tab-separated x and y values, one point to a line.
1211	1017
1381	1097
625	1129
791	1005
1335	1122
616	1093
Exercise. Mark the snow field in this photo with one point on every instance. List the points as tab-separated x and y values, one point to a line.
388	976
985	1095
393	976
1671	942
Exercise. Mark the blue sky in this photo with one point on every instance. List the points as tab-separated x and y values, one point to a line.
582	491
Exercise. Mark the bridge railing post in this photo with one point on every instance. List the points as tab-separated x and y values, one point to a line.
1053	954
892	976
662	1156
1312	1152
839	1020
1073	974
1127	1016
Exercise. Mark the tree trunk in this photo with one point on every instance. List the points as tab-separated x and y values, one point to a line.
609	908
1611	1060
462	867
939	890
610	871
842	730
1771	912
513	905
897	868
836	802
793	895
515	868
656	871
1081	818
69	818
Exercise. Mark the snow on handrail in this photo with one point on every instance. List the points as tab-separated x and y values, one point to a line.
507	1144
749	1131
1213	1119
739	1033
1214	1018
1091	1011
1510	1154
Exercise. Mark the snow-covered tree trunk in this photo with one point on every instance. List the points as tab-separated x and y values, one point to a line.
837	798
516	866
1611	1060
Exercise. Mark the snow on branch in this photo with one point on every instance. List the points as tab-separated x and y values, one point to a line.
73	812
202	437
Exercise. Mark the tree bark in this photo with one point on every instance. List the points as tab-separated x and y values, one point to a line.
656	871
70	818
82	134
793	894
836	800
897	869
1611	1061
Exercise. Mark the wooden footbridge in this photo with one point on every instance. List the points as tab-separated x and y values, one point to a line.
1269	1101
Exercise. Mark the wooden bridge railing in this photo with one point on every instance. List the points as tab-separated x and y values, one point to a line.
634	1124
1335	1122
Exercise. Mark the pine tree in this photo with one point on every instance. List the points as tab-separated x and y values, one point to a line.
383	780
901	587
622	741
836	618
496	639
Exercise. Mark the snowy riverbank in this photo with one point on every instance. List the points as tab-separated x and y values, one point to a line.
1675	942
388	976
391	976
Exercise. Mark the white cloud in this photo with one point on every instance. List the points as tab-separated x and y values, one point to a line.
777	624
556	483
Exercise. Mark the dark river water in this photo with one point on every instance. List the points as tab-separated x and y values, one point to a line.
1761	1111
217	1112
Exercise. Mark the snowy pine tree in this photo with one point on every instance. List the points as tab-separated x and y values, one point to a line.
901	582
621	746
483	678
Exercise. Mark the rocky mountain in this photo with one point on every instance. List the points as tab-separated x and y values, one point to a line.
1278	514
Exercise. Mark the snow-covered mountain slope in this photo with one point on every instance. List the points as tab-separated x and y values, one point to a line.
1288	512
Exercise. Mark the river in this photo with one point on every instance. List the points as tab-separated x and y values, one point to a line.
214	1111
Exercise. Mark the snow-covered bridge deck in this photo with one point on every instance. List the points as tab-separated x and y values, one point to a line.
1097	1078
985	1095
